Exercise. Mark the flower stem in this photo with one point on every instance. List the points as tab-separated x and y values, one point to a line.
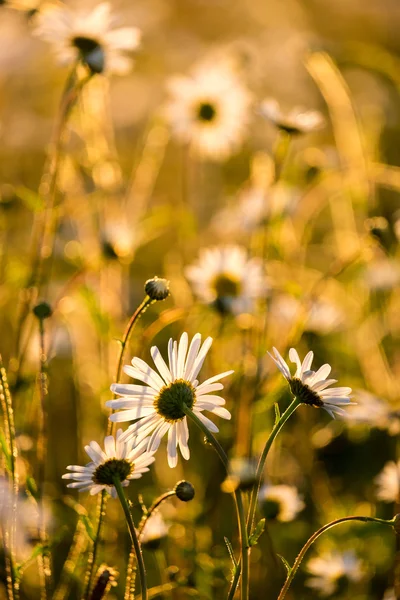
131	570
92	558
261	463
315	536
44	558
138	313
134	538
244	541
102	502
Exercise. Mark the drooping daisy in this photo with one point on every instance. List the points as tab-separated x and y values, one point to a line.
225	276
121	458
209	109
311	387
280	502
329	569
88	35
157	406
295	121
388	482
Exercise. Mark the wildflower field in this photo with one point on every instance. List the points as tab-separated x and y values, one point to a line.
199	300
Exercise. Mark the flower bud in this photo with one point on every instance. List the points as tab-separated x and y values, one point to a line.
42	310
184	491
156	288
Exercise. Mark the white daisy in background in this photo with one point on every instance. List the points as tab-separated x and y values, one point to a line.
226	276
28	517
293	122
154	531
209	109
88	35
329	569
241	474
121	458
157	406
280	502
310	387
388	482
374	412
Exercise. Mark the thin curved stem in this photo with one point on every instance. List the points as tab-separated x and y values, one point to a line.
102	502
261	463
315	536
92	559
125	340
130	578
134	537
157	502
244	541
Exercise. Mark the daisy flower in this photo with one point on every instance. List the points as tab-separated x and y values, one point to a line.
330	568
121	458
295	121
311	387
88	35
157	407
280	502
388	482
209	109
225	276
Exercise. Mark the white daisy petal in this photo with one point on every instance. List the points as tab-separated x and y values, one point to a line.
212	380
172	451
183	438
160	364
130	389
183	346
198	363
131	414
207	422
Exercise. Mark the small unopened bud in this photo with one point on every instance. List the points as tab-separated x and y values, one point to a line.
172	572
42	310
156	288
184	491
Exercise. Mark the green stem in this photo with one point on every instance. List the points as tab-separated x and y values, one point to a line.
261	463
157	502
92	558
125	340
235	581
101	504
244	542
315	536
44	558
130	578
134	538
